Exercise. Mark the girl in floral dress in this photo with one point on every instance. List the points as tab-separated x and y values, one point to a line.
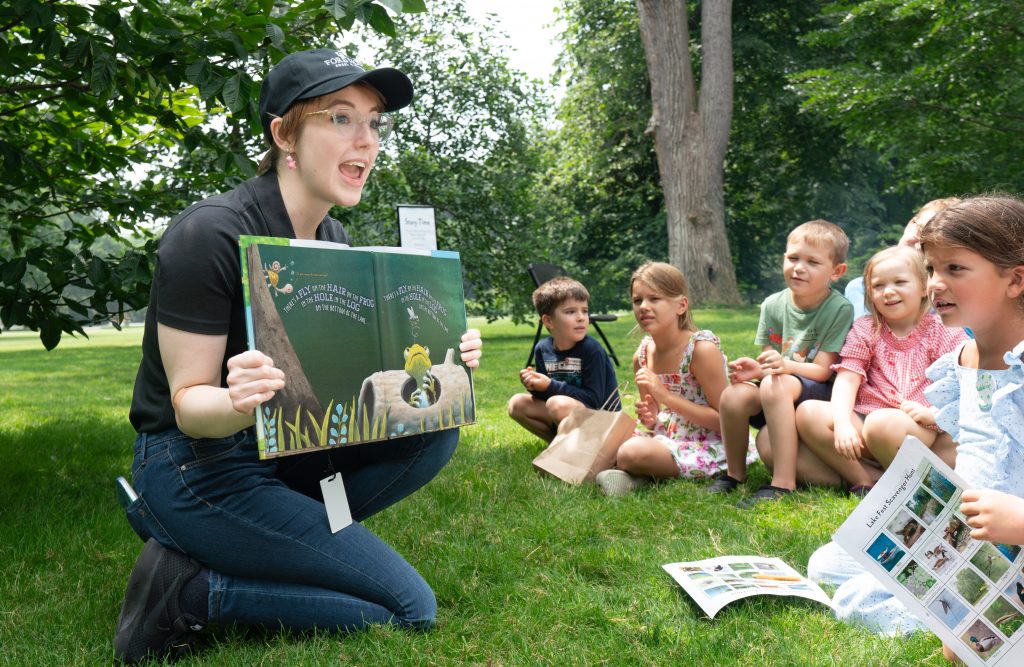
680	374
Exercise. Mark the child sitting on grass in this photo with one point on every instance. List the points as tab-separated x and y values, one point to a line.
572	368
878	396
975	262
801	330
680	374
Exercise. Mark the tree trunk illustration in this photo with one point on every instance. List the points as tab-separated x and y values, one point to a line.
271	339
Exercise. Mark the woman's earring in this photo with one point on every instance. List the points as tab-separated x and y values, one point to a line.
290	161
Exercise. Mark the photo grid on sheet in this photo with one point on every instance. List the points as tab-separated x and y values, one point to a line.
975	588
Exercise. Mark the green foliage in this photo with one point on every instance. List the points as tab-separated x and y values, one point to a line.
468	146
603	193
785	165
936	87
116	115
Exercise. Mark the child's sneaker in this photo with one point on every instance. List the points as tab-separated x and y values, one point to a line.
724	483
766	492
619	482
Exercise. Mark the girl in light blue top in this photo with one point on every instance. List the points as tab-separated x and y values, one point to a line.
974	251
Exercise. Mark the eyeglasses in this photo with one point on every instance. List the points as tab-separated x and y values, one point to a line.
347	122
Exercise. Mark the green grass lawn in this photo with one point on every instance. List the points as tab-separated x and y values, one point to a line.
527	570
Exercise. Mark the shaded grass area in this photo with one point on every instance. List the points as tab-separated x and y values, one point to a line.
527	570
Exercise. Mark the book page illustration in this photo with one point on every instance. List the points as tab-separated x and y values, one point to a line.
360	365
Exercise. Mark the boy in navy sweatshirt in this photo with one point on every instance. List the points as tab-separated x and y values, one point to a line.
572	368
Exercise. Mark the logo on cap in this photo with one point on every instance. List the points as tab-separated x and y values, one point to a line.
342	60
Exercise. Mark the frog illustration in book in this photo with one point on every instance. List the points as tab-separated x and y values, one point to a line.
418	365
273	274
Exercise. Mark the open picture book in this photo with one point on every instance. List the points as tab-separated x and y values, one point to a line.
368	339
715	582
909	533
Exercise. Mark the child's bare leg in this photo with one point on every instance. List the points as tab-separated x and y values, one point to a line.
945	449
739	402
809	468
532	415
559	407
778	398
817	434
644	456
885	430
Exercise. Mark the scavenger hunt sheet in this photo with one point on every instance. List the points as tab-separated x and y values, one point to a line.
909	532
715	582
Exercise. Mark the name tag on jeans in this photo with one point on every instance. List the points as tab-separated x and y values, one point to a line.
336	501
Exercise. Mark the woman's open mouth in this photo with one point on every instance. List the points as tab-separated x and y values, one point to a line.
353	170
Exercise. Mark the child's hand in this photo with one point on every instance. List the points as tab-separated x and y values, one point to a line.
848	442
534	381
744	369
647	411
994	516
920	413
772	363
649	384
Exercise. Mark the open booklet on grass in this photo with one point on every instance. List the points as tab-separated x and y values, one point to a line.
715	582
368	339
909	533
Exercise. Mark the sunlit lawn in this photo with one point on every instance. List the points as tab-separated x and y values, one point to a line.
526	570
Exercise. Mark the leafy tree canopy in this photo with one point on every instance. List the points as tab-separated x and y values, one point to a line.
937	87
469	146
113	117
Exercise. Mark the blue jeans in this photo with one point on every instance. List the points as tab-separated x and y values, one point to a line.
261	527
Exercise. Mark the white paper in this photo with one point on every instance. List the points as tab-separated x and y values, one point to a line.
336	501
715	582
416	227
909	533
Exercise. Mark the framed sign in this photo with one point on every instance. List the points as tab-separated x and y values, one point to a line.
416	227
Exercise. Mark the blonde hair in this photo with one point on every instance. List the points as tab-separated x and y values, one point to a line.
823	233
555	292
915	262
295	116
933	207
667	281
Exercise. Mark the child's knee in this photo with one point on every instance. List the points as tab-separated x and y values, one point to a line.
633	452
517	405
559	407
813	416
779	389
739	400
886	425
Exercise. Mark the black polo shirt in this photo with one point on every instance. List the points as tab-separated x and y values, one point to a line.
197	283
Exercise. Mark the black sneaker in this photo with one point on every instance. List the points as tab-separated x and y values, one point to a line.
724	483
766	492
152	623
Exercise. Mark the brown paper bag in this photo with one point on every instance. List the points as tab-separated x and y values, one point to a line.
586	444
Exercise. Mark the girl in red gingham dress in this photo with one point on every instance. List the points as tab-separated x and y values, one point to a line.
878	395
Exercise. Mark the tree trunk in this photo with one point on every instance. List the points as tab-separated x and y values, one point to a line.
691	136
297	396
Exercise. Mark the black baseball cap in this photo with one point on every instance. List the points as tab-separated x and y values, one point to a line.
305	74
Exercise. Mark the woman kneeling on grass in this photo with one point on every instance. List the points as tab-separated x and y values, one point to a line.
260	549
